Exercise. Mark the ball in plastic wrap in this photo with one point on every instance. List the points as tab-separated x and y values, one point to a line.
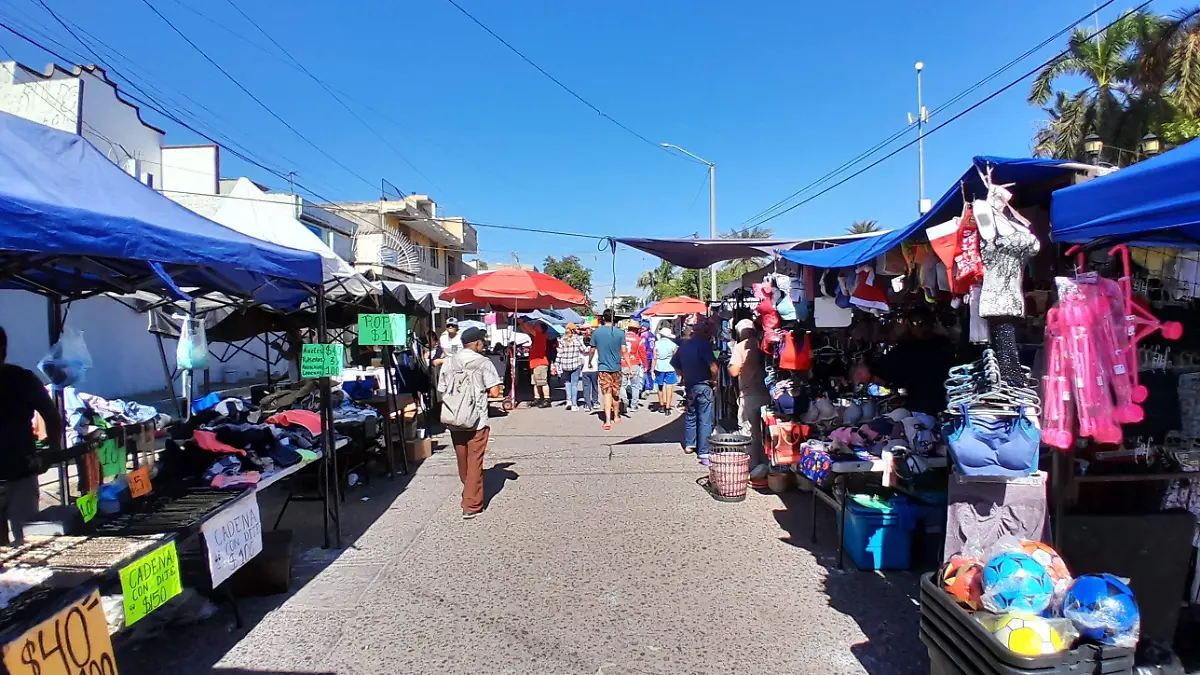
1015	582
1103	608
1027	635
962	578
1050	559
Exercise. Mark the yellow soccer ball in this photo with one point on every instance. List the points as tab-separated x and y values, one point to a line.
1025	635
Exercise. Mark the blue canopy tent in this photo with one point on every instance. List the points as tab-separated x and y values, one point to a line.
1152	203
1033	177
701	253
73	224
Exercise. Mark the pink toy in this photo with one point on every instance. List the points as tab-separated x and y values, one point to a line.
1112	348
1058	418
1090	382
1139	323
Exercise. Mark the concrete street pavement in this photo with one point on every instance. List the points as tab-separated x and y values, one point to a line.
598	555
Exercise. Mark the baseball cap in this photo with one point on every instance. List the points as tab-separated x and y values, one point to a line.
744	324
452	321
473	334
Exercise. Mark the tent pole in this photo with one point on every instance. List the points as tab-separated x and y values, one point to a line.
331	473
388	443
267	356
162	355
55	325
394	405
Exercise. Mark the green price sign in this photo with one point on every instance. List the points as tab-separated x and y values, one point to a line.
382	329
112	458
149	582
88	504
321	361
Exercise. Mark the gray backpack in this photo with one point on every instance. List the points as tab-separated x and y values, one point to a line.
460	397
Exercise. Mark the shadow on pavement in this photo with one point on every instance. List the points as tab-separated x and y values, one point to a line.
197	648
671	431
883	603
494	480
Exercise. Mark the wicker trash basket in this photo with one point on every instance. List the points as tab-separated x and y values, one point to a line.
730	469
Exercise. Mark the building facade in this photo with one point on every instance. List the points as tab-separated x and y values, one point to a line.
405	240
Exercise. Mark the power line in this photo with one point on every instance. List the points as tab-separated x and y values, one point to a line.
754	220
977	104
337	98
246	91
555	80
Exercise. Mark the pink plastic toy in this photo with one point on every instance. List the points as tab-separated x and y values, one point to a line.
1089	379
1058	418
1139	323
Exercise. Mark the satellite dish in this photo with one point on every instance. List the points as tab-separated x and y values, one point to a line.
395	250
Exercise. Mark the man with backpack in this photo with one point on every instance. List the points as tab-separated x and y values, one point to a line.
465	387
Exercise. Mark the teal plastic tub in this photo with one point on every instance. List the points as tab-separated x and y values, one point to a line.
879	537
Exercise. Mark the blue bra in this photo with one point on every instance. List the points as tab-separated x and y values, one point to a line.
986	446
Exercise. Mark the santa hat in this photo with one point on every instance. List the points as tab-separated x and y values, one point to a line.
871	292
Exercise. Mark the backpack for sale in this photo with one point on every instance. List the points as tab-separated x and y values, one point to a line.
460	398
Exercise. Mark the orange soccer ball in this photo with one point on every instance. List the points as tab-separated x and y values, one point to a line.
1050	559
962	578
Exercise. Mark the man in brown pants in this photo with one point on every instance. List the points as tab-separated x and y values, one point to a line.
467	380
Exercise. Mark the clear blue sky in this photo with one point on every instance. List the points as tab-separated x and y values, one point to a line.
776	93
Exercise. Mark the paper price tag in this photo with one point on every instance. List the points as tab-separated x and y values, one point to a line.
75	640
232	537
150	581
139	482
382	329
112	458
321	360
88	504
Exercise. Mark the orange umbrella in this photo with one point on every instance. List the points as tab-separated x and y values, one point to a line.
513	289
681	304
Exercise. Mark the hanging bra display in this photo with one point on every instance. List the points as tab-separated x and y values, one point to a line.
992	431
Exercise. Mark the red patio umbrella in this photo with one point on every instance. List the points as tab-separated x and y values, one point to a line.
513	289
680	304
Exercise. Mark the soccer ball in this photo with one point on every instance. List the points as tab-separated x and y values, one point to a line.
1102	607
962	578
1015	582
1050	559
1025	635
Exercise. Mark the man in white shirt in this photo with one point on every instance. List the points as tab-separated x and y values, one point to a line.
470	443
449	343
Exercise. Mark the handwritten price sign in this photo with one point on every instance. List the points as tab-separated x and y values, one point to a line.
232	537
382	329
112	458
321	361
150	581
73	642
88	504
139	482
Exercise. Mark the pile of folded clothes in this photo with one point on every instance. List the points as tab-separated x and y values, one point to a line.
87	412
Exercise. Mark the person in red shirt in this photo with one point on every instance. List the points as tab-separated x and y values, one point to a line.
633	368
539	363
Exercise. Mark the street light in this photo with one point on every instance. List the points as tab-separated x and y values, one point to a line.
1150	145
1092	145
712	208
922	118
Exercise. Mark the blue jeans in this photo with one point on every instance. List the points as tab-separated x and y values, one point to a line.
572	380
591	389
698	418
631	387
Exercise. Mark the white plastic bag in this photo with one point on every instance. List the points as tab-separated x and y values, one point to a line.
192	351
67	361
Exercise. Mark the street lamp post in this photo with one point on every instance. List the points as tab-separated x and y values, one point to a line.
922	118
712	209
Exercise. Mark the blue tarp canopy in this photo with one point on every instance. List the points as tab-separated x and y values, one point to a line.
1155	202
1030	175
72	224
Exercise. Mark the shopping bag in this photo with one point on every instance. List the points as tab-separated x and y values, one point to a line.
67	361
192	351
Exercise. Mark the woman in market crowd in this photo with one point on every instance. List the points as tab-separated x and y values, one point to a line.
664	373
22	395
591	376
697	367
746	364
568	363
539	362
919	363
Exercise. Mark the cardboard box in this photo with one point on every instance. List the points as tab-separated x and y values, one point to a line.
418	449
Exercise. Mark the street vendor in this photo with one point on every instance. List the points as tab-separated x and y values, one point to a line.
918	363
21	395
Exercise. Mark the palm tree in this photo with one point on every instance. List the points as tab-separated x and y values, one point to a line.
1063	134
658	282
863	227
734	269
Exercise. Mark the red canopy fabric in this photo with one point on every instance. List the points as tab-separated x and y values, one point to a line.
513	289
680	304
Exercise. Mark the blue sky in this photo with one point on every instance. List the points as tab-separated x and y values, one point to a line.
776	93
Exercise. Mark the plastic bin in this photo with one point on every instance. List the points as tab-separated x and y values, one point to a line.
958	644
878	539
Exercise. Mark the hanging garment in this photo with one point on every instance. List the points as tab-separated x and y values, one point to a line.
870	293
827	314
793	356
1004	264
994	446
983	511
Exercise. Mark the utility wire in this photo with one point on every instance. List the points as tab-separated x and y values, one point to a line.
247	92
977	104
755	219
555	80
337	98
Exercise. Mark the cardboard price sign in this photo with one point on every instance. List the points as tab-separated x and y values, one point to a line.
149	582
321	361
139	482
232	537
75	640
383	329
88	504
112	458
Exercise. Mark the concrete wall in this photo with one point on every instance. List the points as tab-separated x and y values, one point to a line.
191	168
116	128
54	103
125	356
